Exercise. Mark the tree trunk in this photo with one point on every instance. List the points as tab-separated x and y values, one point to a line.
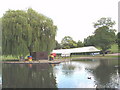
103	53
30	49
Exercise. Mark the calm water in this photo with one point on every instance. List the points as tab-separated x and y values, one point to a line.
74	74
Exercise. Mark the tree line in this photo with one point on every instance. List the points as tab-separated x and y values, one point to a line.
27	31
104	36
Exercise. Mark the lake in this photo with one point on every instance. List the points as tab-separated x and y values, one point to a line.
87	73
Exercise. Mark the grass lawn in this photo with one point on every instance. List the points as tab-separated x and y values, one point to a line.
90	56
9	58
114	48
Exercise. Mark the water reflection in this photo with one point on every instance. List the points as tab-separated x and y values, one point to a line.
76	76
28	76
87	74
73	74
68	69
104	73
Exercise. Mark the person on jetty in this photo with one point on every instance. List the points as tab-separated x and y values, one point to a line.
51	57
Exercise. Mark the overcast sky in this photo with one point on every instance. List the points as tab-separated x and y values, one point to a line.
73	17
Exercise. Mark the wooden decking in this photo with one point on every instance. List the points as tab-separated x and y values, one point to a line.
36	62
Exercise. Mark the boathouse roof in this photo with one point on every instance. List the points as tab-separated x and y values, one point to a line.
77	50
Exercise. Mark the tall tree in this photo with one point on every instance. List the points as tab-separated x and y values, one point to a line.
89	41
104	22
80	44
68	42
27	31
104	34
15	26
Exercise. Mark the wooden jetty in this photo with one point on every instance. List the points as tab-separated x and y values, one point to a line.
35	62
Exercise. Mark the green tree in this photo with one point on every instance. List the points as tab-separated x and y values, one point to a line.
118	39
104	22
67	42
80	44
27	31
89	41
104	34
58	45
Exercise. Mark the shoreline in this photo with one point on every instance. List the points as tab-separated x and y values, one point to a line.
55	61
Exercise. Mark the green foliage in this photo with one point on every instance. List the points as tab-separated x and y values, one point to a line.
104	38
58	45
89	41
114	48
118	39
104	22
80	44
67	42
27	31
103	35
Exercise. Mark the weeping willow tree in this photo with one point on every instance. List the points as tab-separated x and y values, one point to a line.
27	31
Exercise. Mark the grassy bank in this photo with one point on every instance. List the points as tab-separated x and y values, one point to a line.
95	56
11	58
7	58
107	56
114	48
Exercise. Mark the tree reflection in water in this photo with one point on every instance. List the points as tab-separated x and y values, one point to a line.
105	75
68	74
28	76
68	68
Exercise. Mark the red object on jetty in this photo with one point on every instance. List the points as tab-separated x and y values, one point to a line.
54	54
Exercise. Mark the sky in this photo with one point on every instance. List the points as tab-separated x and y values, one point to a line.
72	17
